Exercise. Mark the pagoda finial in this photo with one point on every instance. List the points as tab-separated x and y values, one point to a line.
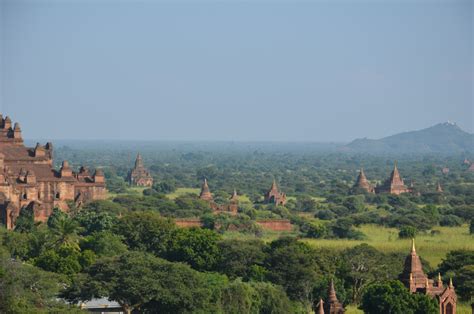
321	306
411	277
451	283
332	292
413	249
440	281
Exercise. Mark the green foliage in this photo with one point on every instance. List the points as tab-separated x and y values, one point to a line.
459	265
27	289
363	265
104	243
196	247
25	221
93	221
407	232
146	231
291	264
393	297
241	259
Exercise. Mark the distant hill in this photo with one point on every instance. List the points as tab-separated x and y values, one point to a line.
441	138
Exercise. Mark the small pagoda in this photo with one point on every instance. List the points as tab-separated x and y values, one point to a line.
362	183
274	196
332	306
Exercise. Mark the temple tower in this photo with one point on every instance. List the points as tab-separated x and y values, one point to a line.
394	184
139	175
274	195
417	282
363	183
333	306
205	192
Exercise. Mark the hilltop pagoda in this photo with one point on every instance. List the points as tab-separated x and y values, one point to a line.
414	278
29	180
394	184
362	183
139	175
274	196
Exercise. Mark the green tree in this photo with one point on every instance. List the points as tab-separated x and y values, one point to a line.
407	232
147	231
393	298
464	282
363	265
197	247
27	289
25	221
104	243
291	264
237	258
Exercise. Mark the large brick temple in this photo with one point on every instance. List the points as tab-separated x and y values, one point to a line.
139	175
28	178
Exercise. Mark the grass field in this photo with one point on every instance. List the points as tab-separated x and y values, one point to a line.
183	191
432	248
461	309
131	190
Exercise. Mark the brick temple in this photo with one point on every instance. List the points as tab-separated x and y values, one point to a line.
139	175
393	185
417	281
274	196
231	207
29	180
414	278
362	183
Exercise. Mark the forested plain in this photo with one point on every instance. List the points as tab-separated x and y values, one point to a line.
128	248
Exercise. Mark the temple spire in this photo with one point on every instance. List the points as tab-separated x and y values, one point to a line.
413	249
332	293
205	192
138	161
321	306
451	283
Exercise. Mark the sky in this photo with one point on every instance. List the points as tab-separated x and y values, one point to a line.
235	70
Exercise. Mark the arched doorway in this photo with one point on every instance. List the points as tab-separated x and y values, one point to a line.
449	309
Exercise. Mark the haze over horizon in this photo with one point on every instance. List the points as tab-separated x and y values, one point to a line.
261	71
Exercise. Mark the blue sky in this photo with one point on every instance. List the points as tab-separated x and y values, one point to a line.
228	70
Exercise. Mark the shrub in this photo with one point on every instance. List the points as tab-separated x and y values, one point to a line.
407	232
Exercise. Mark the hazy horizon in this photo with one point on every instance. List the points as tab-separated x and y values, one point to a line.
259	71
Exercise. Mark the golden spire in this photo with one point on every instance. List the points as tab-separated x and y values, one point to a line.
440	281
411	277
413	250
451	283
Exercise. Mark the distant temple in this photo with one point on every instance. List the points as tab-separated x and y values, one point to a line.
332	306
471	168
415	279
439	189
205	192
28	179
394	184
274	196
232	207
139	175
362	183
